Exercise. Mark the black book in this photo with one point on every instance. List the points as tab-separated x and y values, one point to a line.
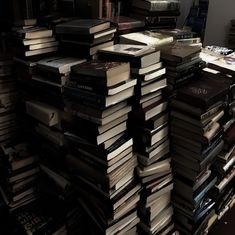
203	93
82	26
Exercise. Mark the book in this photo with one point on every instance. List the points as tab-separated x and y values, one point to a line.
82	26
155	6
150	111
34	33
104	89
147	38
43	112
101	72
27	42
148	69
202	93
141	61
177	33
96	100
37	52
128	50
59	64
73	47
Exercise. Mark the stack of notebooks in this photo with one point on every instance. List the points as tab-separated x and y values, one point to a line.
149	124
83	37
231	37
183	63
8	99
196	141
30	41
19	172
101	155
156	14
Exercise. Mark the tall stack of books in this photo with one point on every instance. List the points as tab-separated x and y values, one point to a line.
29	41
196	141
183	64
156	14
101	154
83	37
231	37
19	172
8	98
149	125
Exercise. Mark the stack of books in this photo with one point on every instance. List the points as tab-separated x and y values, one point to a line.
149	125
231	37
101	151
83	37
183	64
196	141
31	41
51	76
156	14
8	99
19	172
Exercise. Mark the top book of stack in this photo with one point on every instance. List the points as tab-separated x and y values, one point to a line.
83	26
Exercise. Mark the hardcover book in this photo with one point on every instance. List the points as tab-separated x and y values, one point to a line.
82	26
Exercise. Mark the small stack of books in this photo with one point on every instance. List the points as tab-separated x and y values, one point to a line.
31	41
156	14
183	64
51	76
19	172
8	99
101	154
231	37
149	125
84	37
196	141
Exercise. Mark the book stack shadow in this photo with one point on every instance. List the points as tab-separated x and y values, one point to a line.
183	64
83	37
101	158
156	14
196	132
19	173
149	126
8	99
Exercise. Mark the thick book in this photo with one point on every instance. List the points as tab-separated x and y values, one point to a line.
73	48
203	93
147	38
43	112
101	72
91	39
97	100
82	26
155	6
34	33
142	61
59	64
